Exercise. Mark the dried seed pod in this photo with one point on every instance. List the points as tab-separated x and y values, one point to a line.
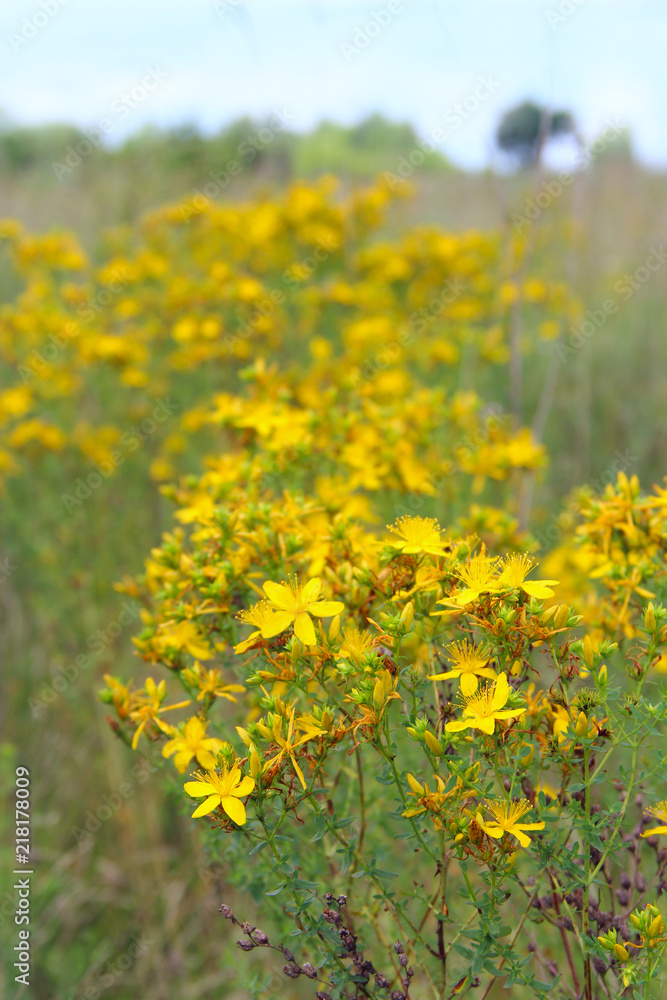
309	970
226	911
260	937
292	970
245	945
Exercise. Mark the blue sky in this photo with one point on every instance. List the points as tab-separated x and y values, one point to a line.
414	60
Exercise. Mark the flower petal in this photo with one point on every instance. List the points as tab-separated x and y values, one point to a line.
468	684
654	829
198	788
466	596
234	809
304	630
278	622
205	758
458	726
245	787
443	677
538	588
311	591
487	726
207	806
183	758
326	609
501	692
247	643
492	831
281	595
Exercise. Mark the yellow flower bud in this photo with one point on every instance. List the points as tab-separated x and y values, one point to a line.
548	614
414	785
408	615
561	616
459	838
434	745
656	927
581	725
649	618
602	674
621	953
334	628
606	943
255	763
589	654
635	921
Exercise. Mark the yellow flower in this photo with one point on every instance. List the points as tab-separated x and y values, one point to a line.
478	575
433	801
288	745
224	789
184	636
149	708
484	707
470	662
297	603
269	622
660	812
193	742
356	642
506	816
210	682
418	535
515	569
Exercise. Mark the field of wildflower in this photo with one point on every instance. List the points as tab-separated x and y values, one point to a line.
317	694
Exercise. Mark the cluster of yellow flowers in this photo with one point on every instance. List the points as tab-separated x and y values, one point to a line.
315	370
371	335
620	545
